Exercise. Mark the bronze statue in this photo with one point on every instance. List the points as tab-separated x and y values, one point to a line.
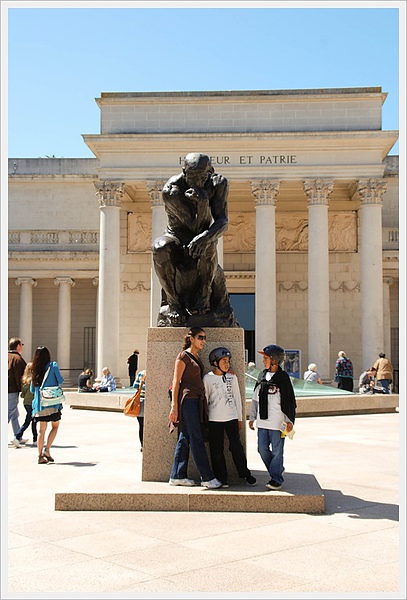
185	257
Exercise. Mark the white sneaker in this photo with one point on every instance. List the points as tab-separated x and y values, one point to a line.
23	441
213	484
185	482
16	443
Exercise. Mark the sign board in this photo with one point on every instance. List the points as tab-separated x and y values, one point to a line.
292	363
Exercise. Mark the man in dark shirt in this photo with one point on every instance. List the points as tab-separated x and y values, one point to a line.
16	366
132	361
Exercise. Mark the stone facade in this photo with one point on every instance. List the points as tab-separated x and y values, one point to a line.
286	141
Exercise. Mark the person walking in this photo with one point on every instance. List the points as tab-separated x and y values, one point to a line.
225	415
45	373
273	405
132	362
189	409
384	373
27	397
141	381
344	372
16	366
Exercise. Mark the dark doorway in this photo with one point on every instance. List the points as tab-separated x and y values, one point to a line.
243	306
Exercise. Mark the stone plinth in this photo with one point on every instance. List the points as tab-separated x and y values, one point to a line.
163	346
301	494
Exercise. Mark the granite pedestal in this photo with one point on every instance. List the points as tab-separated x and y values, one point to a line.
163	346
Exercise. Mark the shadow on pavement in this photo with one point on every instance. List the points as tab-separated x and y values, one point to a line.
337	502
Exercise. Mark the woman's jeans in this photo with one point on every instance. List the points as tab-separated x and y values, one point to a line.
25	425
274	458
190	436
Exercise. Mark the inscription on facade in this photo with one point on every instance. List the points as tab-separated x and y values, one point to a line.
251	159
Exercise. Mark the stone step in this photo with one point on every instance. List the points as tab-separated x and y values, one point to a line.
301	493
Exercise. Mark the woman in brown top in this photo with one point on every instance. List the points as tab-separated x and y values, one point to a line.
189	408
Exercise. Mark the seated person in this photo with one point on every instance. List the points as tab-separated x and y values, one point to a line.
312	374
85	381
367	382
107	383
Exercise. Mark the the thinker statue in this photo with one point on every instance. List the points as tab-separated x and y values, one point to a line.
185	257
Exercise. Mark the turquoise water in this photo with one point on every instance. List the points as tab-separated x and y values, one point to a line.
301	388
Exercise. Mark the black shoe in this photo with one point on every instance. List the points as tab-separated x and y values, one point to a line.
273	485
250	480
225	484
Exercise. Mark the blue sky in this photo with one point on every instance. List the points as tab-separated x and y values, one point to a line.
60	59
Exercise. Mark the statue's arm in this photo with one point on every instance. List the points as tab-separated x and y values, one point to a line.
219	207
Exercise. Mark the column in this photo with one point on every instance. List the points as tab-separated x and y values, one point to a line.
25	329
318	191
265	193
387	282
108	321
64	326
371	195
97	375
159	224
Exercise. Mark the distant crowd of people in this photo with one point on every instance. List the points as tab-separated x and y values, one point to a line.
203	407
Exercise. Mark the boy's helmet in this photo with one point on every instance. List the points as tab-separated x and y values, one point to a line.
276	352
218	353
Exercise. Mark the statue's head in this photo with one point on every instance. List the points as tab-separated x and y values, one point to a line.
197	168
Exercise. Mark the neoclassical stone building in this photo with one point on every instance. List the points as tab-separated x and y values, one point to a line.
310	256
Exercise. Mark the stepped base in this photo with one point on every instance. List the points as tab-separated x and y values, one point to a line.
301	493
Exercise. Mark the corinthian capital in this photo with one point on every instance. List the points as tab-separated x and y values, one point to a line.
318	190
109	192
371	190
265	192
155	189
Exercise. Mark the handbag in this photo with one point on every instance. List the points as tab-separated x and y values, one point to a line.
51	395
133	405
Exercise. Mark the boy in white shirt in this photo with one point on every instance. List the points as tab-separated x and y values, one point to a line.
225	414
273	402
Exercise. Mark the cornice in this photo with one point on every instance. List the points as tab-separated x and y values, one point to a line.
244	96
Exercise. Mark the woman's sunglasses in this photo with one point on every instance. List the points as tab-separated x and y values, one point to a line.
201	337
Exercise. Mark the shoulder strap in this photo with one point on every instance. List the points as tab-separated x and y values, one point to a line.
45	377
197	362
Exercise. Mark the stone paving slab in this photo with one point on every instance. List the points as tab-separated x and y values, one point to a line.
354	547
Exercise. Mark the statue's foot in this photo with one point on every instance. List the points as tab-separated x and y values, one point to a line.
200	310
173	314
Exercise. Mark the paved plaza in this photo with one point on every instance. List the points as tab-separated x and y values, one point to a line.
350	551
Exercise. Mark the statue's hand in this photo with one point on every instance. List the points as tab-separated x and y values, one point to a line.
198	245
196	194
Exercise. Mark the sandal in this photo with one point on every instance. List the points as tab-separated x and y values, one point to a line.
48	456
42	460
